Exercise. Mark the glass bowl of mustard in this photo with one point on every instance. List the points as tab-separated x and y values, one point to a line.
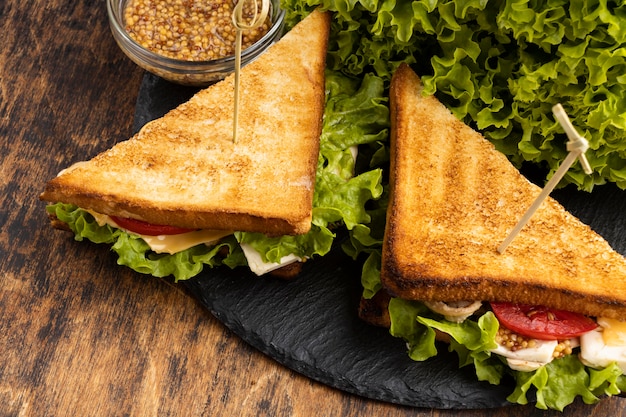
188	42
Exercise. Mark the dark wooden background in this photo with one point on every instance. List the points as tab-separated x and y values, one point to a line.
80	336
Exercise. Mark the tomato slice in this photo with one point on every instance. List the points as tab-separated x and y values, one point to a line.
542	323
144	228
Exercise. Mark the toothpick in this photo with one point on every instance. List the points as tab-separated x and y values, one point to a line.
577	146
240	25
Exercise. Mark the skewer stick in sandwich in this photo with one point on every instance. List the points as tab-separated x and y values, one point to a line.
184	173
453	197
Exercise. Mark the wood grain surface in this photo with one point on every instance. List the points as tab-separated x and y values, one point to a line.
80	336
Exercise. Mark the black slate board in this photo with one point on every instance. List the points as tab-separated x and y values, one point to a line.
310	324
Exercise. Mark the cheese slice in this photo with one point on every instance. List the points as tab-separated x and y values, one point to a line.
594	352
541	352
176	243
169	243
256	264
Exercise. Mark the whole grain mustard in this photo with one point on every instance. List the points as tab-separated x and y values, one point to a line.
189	30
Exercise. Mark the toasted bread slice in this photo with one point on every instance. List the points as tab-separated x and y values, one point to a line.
185	170
375	310
454	199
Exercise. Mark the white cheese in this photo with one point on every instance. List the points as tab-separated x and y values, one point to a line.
523	366
596	353
102	219
178	243
538	355
455	312
169	243
256	264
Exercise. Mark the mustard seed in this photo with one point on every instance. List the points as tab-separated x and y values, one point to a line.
190	30
512	340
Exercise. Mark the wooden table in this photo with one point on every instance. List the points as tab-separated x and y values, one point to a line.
78	335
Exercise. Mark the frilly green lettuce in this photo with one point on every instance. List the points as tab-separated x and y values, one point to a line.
500	67
355	115
134	253
553	386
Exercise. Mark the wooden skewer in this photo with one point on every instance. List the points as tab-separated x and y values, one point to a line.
577	146
240	25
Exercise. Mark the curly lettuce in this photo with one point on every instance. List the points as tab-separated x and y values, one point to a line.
355	117
134	252
501	67
553	386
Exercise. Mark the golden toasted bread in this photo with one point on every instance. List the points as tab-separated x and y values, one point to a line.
454	199
185	170
375	310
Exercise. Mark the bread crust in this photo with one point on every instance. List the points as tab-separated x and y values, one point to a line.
375	310
454	199
185	170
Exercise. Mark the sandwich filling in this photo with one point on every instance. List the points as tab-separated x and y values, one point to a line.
530	337
546	348
170	240
162	239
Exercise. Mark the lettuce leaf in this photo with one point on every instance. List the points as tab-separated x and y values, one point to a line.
355	116
553	386
134	253
557	384
500	67
471	340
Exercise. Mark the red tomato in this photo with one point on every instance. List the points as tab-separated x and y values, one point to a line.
542	323
148	229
